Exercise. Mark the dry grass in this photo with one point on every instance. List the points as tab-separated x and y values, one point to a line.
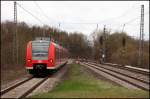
11	72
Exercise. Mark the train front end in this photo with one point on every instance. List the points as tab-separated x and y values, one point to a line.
40	57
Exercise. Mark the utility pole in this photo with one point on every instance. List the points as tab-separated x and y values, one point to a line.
97	27
141	43
59	34
44	29
94	37
59	43
123	28
15	38
104	45
124	43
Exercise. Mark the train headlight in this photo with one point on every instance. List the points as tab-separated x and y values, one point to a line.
29	60
51	60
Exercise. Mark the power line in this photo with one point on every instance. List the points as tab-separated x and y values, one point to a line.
30	13
76	22
85	22
132	20
101	21
90	6
124	14
41	10
120	25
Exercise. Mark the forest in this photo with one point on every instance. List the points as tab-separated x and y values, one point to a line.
77	43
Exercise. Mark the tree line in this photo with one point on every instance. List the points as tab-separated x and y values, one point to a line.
77	43
120	48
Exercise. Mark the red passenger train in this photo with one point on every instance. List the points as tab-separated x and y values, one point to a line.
44	56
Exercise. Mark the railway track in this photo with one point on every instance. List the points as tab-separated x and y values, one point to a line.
122	77
126	67
144	72
22	89
3	91
138	76
26	87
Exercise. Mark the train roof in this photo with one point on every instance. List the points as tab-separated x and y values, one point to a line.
58	46
40	41
46	43
43	38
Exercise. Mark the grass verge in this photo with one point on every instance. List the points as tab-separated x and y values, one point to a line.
80	83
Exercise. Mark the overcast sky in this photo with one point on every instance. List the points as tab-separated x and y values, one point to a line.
82	16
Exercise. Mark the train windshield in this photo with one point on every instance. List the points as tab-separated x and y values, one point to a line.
40	50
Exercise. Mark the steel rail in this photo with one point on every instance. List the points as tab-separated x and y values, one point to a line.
131	69
15	85
124	67
126	79
123	73
34	87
